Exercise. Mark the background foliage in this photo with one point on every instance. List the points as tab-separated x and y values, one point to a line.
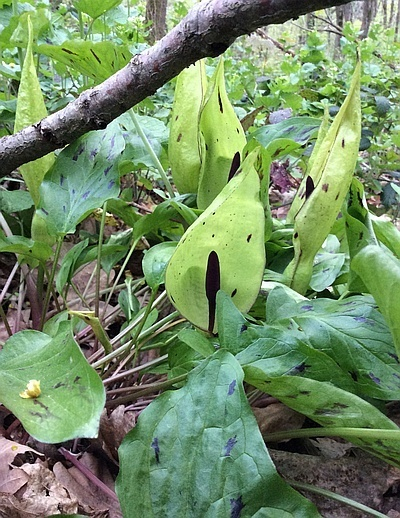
83	305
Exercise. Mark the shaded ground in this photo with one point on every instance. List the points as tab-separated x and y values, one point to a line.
37	480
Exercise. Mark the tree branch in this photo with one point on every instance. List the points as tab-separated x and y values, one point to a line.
208	30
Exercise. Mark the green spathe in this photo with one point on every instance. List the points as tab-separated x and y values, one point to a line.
231	230
325	186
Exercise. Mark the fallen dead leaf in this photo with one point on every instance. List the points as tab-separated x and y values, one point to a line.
41	495
113	429
12	478
277	417
91	498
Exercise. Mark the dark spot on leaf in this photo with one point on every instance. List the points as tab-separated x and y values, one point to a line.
58	385
206	147
243	328
69	51
42	405
234	292
79	151
229	446
96	57
301	367
85	195
64	208
395	357
93	153
360	235
304	392
37	414
374	378
337	196
296	235
309	186
213	284
212	235
360	319
221	108
204	222
156	449
325	187
397	376
340	405
343	142
107	170
44	211
179	137
62	178
249	237
237	506
307	307
231	388
354	375
111	184
234	166
76	379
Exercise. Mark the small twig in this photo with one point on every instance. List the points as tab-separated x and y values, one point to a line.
276	43
88	473
8	282
149	389
3	316
329	22
21	298
334	496
122	375
306	29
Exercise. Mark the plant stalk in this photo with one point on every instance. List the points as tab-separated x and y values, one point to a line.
151	152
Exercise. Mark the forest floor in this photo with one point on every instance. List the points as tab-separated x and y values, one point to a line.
39	480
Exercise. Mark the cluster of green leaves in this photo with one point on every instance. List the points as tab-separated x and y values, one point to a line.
77	44
332	356
310	79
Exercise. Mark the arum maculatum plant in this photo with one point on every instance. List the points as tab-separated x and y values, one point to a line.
224	248
205	134
325	186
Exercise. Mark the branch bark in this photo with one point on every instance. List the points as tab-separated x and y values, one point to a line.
207	31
